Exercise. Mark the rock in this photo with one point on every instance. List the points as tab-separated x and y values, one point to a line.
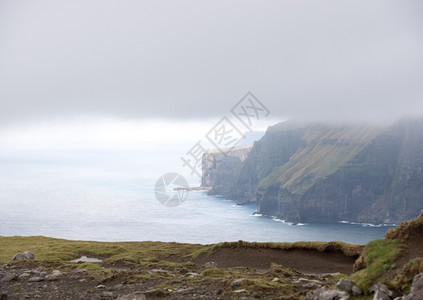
8	277
381	292
24	275
100	287
155	293
276	279
356	291
159	271
310	285
107	295
323	294
80	271
255	295
54	276
184	291
416	290
36	279
23	256
132	297
210	264
238	282
191	274
345	285
29	255
240	291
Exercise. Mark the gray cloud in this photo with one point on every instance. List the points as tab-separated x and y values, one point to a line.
195	59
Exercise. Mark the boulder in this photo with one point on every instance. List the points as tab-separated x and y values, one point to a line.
323	294
345	285
381	292
416	290
23	256
356	291
54	276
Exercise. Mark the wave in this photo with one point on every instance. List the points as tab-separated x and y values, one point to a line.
288	223
256	215
368	224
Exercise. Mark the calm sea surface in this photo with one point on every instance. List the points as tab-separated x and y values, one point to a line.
109	196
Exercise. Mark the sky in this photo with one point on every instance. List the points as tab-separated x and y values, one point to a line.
190	62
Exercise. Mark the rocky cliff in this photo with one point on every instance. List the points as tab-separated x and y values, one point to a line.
221	168
325	172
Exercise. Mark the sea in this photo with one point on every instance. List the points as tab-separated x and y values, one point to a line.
108	195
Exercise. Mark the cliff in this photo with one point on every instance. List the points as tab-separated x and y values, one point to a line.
324	172
221	168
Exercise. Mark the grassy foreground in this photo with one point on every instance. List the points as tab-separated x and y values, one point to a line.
166	269
51	249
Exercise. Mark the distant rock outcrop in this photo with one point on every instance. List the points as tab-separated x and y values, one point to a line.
221	167
328	172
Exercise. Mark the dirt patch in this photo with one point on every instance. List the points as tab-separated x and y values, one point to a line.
305	261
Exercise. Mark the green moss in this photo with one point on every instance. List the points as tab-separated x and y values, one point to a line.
380	255
213	272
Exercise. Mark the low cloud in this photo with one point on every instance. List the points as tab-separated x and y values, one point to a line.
195	60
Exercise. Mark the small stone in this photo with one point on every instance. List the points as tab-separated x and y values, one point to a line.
80	271
310	285
118	286
191	274
276	279
100	286
356	291
238	282
107	295
35	279
159	271
240	291
134	296
155	293
210	264
184	291
345	285
255	295
24	276
8	277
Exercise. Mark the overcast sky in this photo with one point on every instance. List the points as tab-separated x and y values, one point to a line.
196	59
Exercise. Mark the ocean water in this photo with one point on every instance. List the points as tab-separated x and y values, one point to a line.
108	195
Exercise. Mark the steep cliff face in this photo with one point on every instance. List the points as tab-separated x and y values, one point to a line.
325	172
274	149
221	168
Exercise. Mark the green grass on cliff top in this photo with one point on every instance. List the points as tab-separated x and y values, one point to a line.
51	249
325	150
